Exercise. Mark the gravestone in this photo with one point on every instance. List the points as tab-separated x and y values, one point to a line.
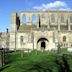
59	48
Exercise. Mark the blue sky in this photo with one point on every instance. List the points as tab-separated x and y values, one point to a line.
9	6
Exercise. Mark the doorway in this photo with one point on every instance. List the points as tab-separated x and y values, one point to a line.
43	45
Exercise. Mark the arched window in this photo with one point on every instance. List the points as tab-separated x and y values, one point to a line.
21	40
33	19
52	18
64	38
62	18
71	18
24	19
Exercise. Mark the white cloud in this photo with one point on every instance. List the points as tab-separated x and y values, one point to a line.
57	5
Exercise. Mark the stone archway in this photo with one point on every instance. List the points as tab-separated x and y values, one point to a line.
41	43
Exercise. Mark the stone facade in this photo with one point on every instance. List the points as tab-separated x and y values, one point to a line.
49	29
4	40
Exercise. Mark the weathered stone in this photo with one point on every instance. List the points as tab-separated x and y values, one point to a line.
46	29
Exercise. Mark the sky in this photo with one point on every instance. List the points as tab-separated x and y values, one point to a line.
7	7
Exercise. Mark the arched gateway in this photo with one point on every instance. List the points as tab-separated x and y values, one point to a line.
41	43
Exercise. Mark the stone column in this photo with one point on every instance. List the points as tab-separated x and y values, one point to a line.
13	22
21	17
29	19
37	21
13	31
68	25
58	21
48	23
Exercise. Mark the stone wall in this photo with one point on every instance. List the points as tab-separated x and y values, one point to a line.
45	19
52	31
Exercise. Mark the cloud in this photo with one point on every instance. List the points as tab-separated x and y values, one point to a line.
57	5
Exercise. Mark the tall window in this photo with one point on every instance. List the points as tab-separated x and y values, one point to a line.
52	18
71	18
24	19
21	40
64	38
62	18
33	19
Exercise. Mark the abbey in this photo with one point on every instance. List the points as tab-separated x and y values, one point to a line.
41	30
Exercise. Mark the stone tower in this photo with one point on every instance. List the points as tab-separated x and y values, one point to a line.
13	31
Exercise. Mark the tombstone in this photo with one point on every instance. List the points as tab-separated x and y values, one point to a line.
58	49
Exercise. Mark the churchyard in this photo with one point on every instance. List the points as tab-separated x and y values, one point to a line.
38	61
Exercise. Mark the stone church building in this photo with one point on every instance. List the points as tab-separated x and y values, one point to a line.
40	30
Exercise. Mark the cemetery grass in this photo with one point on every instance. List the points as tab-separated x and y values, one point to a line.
37	61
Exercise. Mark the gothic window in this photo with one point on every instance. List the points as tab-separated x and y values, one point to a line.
33	19
52	18
71	18
62	18
21	39
24	19
64	38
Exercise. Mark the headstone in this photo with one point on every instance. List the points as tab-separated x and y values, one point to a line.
58	48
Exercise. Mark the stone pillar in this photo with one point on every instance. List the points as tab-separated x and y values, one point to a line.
21	15
58	21
69	25
37	21
13	31
28	19
49	23
68	21
13	22
58	27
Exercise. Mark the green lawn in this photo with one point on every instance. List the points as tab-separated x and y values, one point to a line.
37	62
